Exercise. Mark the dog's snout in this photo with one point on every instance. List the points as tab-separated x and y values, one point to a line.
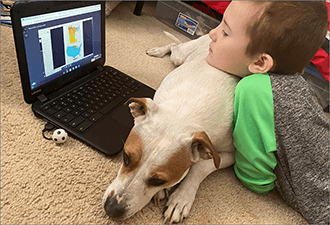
114	207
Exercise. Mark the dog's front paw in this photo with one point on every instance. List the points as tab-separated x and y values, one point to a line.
179	205
160	51
157	52
160	196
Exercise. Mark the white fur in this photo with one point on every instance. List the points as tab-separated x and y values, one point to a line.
193	97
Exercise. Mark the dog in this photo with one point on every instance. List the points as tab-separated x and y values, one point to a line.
182	135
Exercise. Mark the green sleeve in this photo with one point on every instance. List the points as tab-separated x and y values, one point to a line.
254	133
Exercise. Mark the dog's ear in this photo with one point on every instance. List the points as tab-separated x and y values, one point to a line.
140	107
202	148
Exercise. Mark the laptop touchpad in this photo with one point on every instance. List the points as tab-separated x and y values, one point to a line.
122	115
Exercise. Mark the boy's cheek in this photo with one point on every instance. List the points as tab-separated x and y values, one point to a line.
209	60
213	61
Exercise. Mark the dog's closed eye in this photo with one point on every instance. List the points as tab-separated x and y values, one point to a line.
155	182
126	159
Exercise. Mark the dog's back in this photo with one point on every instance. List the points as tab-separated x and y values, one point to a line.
199	94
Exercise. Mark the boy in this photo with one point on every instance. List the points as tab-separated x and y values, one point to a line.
280	132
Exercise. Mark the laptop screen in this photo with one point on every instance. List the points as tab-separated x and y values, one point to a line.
61	42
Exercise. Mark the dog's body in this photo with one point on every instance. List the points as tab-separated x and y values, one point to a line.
180	134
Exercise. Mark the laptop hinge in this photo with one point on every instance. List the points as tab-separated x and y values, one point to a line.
42	98
100	68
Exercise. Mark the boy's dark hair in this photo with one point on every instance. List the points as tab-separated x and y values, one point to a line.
289	31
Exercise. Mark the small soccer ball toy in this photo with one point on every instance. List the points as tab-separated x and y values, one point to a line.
59	136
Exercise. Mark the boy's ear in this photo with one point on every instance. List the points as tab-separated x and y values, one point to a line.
262	64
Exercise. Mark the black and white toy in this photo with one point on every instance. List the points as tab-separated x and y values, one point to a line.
59	136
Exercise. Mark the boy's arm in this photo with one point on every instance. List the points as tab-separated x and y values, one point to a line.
254	133
302	136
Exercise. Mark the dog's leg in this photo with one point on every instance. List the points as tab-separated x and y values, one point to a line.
160	196
160	51
180	202
198	47
180	52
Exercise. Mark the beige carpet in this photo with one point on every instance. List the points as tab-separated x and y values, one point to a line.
42	183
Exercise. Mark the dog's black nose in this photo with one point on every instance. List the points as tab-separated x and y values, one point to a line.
113	208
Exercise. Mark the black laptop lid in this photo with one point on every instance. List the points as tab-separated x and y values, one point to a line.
57	43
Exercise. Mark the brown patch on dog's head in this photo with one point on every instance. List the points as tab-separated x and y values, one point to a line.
132	153
174	168
139	106
202	147
111	194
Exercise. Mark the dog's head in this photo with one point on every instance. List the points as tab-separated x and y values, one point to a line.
155	157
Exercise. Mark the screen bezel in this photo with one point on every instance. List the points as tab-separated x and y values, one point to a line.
26	9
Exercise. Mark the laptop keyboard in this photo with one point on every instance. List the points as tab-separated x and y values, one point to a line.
88	103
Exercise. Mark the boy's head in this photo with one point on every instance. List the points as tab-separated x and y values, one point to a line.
256	37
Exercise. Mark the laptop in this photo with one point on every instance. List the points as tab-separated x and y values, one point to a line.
60	48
